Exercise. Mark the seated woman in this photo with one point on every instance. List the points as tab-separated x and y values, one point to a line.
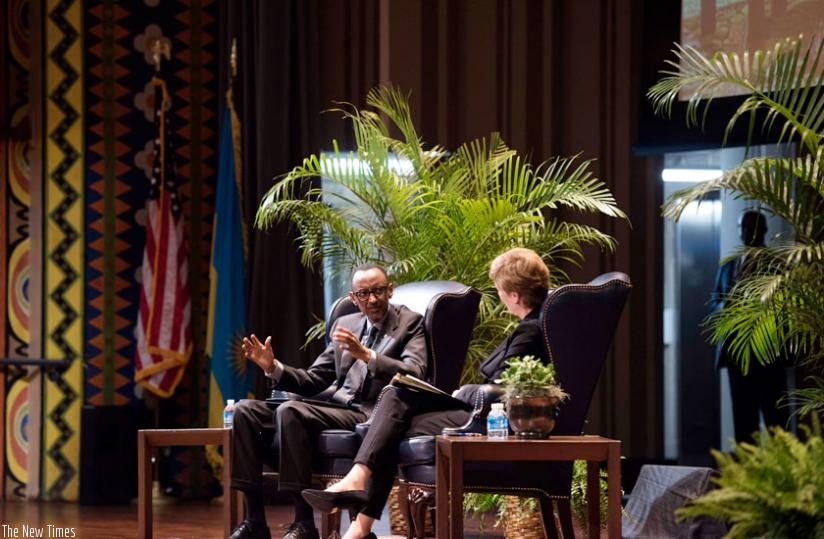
522	281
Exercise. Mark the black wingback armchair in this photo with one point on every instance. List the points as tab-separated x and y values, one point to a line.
578	323
449	309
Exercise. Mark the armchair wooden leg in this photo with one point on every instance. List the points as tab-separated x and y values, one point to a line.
548	517
330	525
330	522
419	501
403	507
431	513
565	516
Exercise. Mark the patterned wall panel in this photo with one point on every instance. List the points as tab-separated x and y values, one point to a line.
63	257
114	192
15	422
3	204
95	143
17	436
118	157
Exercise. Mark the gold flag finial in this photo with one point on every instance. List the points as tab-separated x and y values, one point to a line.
233	58
161	48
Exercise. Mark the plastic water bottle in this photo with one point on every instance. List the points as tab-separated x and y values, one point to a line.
228	413
497	424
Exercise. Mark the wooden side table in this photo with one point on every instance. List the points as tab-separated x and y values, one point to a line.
452	452
148	439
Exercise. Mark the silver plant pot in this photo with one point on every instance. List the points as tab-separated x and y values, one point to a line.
533	417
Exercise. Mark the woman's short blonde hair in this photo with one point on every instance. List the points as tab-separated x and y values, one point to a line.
523	271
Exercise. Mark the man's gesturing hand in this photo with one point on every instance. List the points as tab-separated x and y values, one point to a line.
259	352
349	341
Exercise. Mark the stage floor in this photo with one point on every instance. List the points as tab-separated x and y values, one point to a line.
172	519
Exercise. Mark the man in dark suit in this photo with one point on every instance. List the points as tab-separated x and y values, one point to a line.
521	278
757	390
367	349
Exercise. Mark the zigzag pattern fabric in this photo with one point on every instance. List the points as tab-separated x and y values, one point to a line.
72	237
63	271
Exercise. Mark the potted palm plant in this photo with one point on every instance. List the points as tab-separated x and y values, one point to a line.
533	396
426	213
771	488
776	308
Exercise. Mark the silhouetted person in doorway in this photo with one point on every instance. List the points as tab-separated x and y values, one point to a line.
757	391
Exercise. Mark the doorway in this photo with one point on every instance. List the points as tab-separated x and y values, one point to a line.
697	406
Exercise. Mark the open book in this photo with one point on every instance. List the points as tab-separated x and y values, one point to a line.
416	384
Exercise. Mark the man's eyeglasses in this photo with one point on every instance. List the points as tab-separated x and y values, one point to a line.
364	293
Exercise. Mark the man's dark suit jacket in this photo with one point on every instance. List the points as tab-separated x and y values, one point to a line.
339	377
725	279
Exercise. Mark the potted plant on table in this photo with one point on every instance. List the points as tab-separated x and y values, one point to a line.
533	396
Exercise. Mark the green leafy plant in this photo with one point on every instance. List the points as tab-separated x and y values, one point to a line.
426	213
776	310
481	504
772	488
578	496
529	376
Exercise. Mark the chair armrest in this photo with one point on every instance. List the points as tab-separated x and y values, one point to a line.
483	396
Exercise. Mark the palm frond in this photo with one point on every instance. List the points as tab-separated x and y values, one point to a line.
783	82
436	215
807	401
773	488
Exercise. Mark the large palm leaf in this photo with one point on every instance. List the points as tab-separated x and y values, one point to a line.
436	215
784	83
776	310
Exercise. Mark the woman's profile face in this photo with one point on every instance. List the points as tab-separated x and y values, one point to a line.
509	299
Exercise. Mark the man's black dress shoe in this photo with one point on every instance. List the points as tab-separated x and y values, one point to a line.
329	502
299	530
251	530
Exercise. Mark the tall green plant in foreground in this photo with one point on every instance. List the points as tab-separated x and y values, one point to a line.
426	213
772	489
776	310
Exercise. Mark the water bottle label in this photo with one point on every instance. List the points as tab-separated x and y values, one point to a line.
497	426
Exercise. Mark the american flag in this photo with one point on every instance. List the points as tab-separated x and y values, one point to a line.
164	341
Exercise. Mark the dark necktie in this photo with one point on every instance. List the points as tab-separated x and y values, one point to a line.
356	379
371	337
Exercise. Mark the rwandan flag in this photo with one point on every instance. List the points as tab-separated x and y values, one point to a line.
230	377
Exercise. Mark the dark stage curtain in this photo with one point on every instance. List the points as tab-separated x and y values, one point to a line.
276	93
555	78
296	59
